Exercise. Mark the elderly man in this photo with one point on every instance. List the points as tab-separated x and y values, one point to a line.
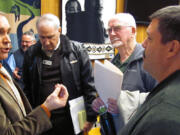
159	115
16	115
16	59
55	59
136	82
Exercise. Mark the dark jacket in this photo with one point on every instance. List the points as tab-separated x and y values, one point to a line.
19	58
159	115
135	77
75	69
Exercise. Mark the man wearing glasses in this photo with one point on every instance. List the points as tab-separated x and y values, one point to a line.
16	59
136	82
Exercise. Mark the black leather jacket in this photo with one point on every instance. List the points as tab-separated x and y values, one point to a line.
75	68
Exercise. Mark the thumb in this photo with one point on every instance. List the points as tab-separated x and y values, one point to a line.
57	91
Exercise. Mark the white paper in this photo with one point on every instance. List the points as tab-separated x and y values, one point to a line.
76	105
108	80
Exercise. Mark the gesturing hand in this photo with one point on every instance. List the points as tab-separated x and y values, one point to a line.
58	98
15	73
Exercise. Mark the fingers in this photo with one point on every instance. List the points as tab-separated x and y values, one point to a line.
61	91
58	98
112	101
64	92
16	73
112	106
57	90
16	69
87	126
17	76
97	103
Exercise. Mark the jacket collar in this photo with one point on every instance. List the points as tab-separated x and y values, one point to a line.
164	83
137	53
65	44
149	102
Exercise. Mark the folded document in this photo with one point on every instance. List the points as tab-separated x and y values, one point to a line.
108	80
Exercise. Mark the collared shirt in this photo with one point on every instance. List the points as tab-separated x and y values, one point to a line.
121	65
50	53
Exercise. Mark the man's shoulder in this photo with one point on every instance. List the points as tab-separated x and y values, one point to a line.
34	49
163	111
138	52
77	45
160	120
17	51
69	46
156	115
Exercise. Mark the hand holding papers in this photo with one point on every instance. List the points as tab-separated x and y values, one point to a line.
108	80
78	113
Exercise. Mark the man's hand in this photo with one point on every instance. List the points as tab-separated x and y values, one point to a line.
112	106
58	98
87	126
15	73
97	103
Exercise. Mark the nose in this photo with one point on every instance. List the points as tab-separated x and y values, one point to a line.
144	43
113	33
24	43
6	39
46	41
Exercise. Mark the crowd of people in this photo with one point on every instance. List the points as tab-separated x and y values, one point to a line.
38	80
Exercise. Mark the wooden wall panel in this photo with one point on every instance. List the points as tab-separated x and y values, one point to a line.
51	6
119	6
141	33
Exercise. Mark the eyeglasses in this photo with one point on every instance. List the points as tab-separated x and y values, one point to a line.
27	42
116	28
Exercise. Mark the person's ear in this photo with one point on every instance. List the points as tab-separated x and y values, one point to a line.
59	29
173	48
133	30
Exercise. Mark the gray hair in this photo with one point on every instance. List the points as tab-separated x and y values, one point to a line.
126	18
49	17
30	33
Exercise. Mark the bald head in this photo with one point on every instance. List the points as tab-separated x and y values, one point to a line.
49	30
49	20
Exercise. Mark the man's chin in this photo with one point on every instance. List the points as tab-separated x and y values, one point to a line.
116	45
2	57
49	49
24	49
